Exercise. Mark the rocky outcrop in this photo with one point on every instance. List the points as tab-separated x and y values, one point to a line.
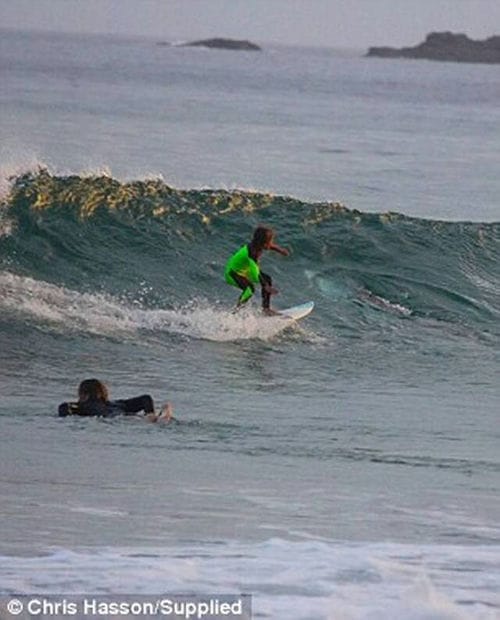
224	44
446	46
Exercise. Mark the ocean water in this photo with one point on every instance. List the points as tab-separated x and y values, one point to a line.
343	467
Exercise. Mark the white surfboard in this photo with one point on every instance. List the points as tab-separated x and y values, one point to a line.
297	312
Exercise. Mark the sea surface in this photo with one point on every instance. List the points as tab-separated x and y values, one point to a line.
345	467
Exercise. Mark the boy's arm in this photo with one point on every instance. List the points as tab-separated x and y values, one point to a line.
66	409
276	248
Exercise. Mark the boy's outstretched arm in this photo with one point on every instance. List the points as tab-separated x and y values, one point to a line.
276	248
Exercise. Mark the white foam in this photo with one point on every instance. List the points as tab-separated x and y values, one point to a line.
211	323
7	226
383	304
65	309
293	580
100	512
14	166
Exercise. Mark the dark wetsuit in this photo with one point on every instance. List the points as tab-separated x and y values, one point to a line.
110	408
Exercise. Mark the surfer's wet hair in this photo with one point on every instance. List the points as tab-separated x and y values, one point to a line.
262	237
92	389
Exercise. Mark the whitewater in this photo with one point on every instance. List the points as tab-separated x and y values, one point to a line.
343	467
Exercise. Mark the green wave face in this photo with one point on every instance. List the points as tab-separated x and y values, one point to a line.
162	247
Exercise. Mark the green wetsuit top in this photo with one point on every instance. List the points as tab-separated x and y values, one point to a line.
244	265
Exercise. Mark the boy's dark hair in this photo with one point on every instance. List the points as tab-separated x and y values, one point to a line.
262	236
92	389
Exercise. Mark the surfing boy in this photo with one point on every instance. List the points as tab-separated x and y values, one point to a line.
243	270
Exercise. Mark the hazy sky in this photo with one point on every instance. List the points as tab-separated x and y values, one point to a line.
335	23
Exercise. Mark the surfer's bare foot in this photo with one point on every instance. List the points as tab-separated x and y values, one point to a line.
166	413
270	312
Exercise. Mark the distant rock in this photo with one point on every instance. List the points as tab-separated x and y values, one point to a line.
446	46
224	44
